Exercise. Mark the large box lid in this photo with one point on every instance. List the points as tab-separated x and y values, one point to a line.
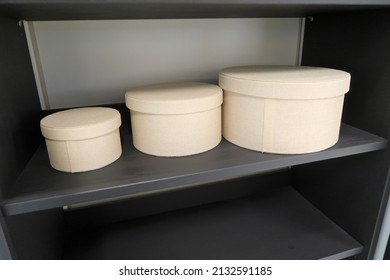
285	82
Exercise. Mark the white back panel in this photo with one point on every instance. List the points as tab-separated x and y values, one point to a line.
95	62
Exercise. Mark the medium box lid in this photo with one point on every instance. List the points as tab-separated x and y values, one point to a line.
80	123
174	98
285	82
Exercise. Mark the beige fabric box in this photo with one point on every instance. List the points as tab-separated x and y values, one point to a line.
283	109
176	119
82	139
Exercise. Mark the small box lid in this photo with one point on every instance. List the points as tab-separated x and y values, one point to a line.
285	82
174	98
80	123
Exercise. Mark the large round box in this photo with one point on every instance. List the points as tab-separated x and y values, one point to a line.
82	139
176	119
283	109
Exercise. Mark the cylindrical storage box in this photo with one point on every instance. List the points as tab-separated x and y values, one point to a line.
177	119
283	109
82	139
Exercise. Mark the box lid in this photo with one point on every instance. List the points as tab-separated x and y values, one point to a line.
174	98
80	123
285	82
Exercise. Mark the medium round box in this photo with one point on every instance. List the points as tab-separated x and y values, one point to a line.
82	139
283	109
176	119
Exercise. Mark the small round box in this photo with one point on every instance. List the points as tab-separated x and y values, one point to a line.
177	119
283	109
82	139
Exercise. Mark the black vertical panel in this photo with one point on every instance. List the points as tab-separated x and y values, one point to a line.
37	235
19	103
352	191
358	43
5	251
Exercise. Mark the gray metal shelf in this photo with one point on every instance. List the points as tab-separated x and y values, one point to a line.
279	225
40	187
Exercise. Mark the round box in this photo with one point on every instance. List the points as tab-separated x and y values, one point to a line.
177	119
283	109
82	139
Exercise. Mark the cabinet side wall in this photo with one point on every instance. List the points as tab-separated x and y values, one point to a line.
36	235
5	252
353	191
19	103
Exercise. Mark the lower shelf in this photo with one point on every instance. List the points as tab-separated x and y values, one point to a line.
279	225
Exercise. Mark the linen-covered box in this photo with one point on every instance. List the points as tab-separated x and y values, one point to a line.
82	139
283	109
176	119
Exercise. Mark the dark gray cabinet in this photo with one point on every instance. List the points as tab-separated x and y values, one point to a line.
228	203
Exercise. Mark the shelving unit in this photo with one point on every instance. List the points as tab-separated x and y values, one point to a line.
247	205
